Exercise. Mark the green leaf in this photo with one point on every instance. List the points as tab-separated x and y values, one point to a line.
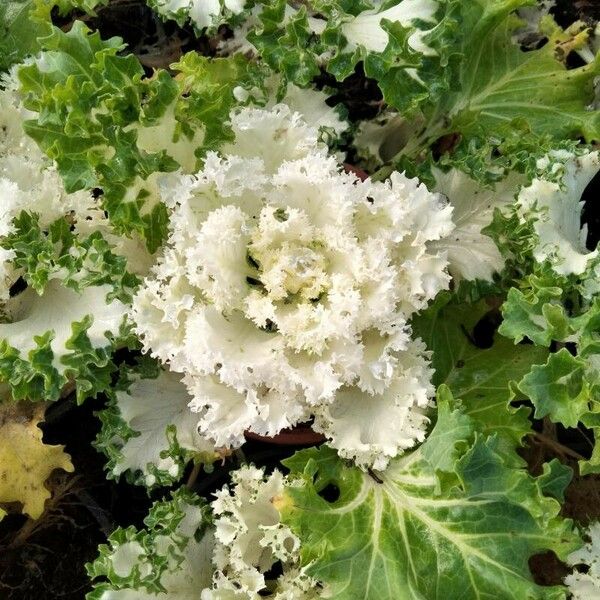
287	43
20	27
504	107
107	125
559	388
394	537
555	479
87	6
481	377
500	84
536	313
78	261
90	101
205	19
565	387
206	94
453	429
293	41
409	78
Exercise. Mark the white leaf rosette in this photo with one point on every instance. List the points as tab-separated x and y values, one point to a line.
285	289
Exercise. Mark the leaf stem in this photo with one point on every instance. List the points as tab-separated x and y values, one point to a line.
193	476
562	449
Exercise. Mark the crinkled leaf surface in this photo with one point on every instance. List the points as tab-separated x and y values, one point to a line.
107	125
500	83
25	461
535	312
565	386
79	261
43	345
395	536
558	388
171	558
89	100
150	433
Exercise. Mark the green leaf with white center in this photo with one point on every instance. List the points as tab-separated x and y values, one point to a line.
399	43
206	97
554	207
481	377
171	558
395	536
62	335
150	434
204	15
78	261
107	125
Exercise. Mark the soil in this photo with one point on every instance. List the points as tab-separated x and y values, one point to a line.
45	560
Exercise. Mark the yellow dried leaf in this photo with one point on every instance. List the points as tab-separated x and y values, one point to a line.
25	461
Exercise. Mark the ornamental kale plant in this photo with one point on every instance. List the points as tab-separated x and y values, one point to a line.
299	299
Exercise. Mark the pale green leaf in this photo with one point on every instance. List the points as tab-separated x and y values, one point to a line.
394	537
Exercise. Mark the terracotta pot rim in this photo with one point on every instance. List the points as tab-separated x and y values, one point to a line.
362	175
302	434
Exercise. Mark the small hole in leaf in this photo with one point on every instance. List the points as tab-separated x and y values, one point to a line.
289	544
330	493
20	285
590	215
571	347
251	261
254	282
274	572
533	42
270	326
574	61
484	330
547	569
281	215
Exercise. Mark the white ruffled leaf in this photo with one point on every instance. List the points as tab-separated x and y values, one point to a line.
151	432
471	253
286	280
31	315
585	585
250	539
555	207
